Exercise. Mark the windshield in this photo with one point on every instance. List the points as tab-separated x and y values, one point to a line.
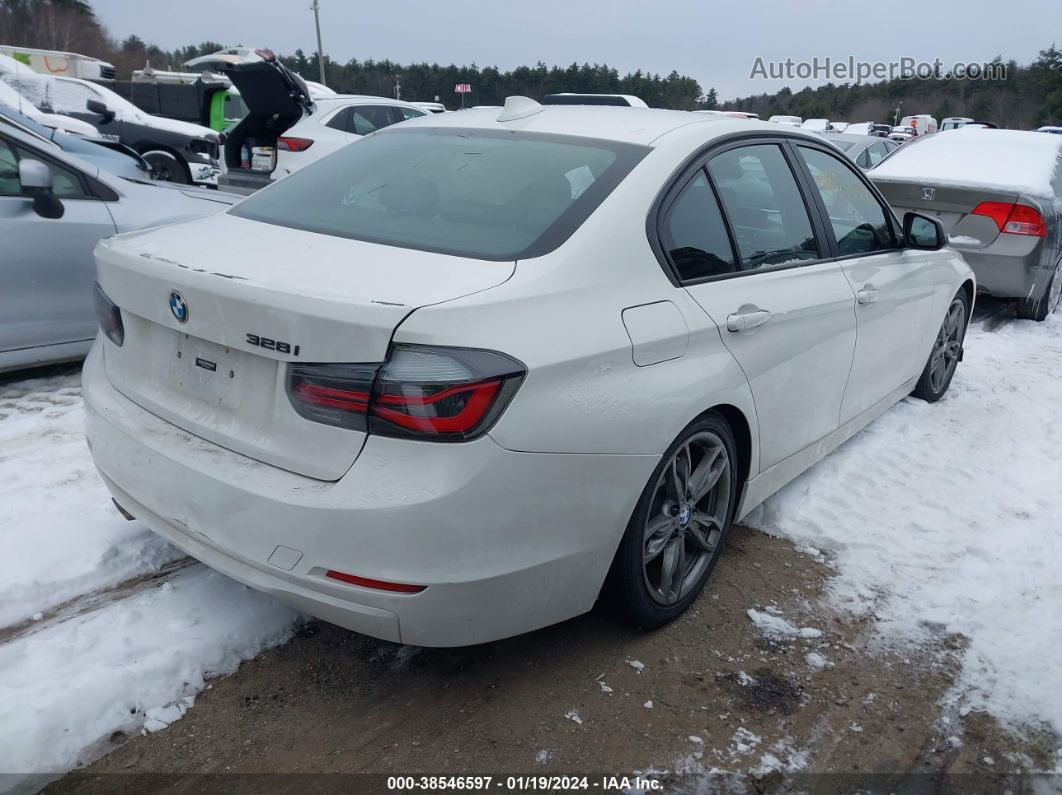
845	146
487	194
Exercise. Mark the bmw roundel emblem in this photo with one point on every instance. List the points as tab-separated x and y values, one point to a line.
178	307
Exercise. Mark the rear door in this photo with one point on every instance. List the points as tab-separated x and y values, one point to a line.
744	244
894	287
47	268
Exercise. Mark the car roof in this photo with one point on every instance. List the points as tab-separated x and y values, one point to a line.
605	122
854	137
363	99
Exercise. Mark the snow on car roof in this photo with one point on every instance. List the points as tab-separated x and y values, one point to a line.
604	122
978	158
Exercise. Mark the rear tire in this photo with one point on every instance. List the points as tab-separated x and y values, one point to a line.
947	351
675	536
1038	309
167	167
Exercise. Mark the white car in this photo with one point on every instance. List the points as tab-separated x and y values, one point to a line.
436	386
790	121
334	123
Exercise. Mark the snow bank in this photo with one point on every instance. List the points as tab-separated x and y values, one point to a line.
61	534
976	158
74	682
128	657
948	519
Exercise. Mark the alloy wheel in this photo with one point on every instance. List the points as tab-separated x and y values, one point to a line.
687	514
948	345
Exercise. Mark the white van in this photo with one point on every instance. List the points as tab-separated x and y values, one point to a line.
927	125
60	64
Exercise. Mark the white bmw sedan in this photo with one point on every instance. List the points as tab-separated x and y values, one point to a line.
464	377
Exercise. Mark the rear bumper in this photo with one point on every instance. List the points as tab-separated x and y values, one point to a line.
505	542
243	181
1006	275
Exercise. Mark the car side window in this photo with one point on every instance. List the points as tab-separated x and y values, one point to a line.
339	120
767	214
860	223
66	183
875	154
863	160
695	235
9	184
365	119
405	114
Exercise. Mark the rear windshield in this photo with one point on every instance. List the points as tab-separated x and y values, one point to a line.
487	194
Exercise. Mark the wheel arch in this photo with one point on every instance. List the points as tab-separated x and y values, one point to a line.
742	431
143	147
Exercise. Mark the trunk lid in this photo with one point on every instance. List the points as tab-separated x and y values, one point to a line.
952	205
269	88
257	297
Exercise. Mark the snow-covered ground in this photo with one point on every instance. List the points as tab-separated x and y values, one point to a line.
948	518
942	518
79	661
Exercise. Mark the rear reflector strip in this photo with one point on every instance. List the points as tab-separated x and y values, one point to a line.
378	585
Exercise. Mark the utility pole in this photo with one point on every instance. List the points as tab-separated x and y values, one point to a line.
398	86
320	52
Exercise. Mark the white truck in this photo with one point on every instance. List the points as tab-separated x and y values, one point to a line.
60	64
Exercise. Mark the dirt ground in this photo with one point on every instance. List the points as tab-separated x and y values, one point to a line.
714	694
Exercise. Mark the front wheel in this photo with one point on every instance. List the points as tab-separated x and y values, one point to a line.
947	351
166	167
675	536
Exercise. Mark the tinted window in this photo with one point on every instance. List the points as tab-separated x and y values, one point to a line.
9	185
695	235
495	195
764	205
859	221
365	119
339	120
405	114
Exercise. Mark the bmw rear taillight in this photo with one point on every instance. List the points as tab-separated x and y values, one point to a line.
445	394
294	144
1014	219
335	394
420	392
109	316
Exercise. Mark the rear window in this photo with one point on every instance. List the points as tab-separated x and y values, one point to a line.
486	194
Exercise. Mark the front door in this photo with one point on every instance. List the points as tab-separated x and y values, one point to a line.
893	286
47	267
786	315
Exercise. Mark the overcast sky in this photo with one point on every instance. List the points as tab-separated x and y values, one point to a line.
715	42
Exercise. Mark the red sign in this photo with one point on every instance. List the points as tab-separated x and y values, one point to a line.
463	88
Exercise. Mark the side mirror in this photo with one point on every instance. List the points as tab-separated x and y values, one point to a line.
922	232
97	107
37	183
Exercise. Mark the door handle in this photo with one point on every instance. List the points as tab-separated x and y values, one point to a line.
744	319
867	295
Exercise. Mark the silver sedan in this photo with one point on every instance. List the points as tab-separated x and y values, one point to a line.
54	208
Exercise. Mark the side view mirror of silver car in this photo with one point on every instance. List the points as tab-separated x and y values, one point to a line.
37	183
922	232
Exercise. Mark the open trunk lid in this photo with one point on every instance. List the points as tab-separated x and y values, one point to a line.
276	98
269	88
952	205
256	297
